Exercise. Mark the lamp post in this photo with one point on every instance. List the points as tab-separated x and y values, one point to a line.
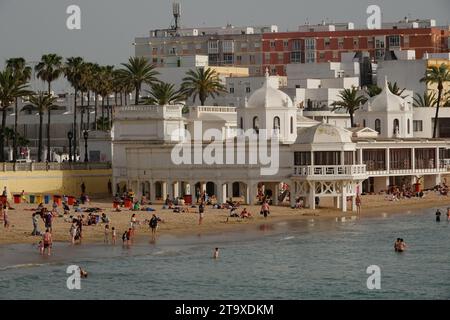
85	136
70	136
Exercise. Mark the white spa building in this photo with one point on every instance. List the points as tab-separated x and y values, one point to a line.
316	159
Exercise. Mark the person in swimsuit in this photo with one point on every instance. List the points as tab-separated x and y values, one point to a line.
216	253
47	242
265	210
106	239
448	214
113	235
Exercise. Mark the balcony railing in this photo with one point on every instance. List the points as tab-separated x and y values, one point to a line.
330	171
42	166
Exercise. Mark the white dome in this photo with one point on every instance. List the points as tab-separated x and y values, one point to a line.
269	97
323	133
386	101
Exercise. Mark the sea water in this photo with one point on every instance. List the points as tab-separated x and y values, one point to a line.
311	259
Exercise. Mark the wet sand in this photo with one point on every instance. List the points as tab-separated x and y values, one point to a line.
215	221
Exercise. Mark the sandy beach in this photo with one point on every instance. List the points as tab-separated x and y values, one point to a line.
187	223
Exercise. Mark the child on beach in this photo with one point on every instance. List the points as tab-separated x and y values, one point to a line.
106	239
41	247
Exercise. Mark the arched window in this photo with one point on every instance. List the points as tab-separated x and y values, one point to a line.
408	126
256	124
292	125
396	126
276	123
378	125
242	123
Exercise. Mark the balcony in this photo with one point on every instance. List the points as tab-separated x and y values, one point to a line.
379	169
332	172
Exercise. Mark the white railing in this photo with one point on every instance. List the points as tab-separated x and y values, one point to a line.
328	171
43	166
215	109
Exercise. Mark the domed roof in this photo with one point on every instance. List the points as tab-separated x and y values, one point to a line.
386	101
269	97
323	133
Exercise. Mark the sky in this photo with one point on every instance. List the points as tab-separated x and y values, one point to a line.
30	28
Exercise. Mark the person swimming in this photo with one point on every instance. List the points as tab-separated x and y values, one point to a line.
83	273
401	245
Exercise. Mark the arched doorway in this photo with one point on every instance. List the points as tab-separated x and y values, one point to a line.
210	188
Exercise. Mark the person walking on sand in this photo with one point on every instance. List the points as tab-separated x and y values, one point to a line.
5	192
5	217
201	212
47	238
83	188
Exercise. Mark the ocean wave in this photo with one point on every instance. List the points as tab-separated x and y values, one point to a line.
23	265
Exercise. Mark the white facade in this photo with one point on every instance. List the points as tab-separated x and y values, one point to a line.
388	114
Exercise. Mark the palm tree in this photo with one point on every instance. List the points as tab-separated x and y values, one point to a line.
395	89
425	100
350	101
106	87
9	135
138	71
43	102
164	93
438	75
373	90
22	73
202	82
49	69
10	89
72	72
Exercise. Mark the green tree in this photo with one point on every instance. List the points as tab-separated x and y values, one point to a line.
425	100
22	74
350	101
373	90
138	71
437	75
202	83
394	88
73	73
49	69
10	89
164	93
43	102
